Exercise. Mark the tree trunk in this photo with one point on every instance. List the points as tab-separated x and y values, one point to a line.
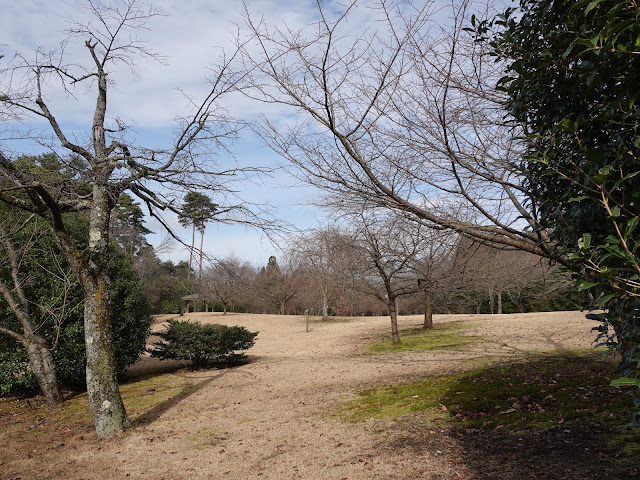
44	369
325	305
201	246
491	301
428	310
499	302
393	313
193	243
102	385
40	358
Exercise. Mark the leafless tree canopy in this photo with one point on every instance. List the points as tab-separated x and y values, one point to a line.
402	114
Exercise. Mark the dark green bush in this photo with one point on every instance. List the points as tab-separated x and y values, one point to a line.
204	345
15	375
130	325
64	331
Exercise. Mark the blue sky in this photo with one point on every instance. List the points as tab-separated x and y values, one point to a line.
191	34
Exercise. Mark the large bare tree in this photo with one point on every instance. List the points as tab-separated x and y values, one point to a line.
108	162
402	114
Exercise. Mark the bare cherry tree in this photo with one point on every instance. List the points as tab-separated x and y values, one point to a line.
389	245
402	114
228	279
433	265
326	254
108	162
39	352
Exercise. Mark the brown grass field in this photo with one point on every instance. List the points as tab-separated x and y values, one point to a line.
281	415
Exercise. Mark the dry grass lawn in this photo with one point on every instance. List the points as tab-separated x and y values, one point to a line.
275	417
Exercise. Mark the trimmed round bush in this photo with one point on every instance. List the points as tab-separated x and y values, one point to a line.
203	345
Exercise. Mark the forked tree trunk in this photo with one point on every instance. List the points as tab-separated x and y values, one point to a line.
428	310
40	358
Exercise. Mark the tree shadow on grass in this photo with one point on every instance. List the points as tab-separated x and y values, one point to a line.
157	411
553	416
186	391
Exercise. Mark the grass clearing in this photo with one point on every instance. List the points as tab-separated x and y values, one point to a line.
141	397
532	396
444	336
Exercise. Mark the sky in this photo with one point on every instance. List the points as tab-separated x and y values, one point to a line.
191	35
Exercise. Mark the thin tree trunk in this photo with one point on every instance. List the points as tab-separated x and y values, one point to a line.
428	310
201	245
499	302
193	243
325	305
491	301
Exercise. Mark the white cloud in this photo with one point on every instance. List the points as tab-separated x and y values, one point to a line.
192	35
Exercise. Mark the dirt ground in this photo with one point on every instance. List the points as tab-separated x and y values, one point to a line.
272	418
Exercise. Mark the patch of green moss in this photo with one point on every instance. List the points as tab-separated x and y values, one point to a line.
444	336
76	409
540	393
397	400
204	438
145	394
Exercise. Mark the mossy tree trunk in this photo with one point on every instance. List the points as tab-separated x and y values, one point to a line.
102	384
44	369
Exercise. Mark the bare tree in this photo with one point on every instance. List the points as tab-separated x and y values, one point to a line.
485	274
39	353
109	164
277	285
390	244
433	265
228	278
403	115
326	254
